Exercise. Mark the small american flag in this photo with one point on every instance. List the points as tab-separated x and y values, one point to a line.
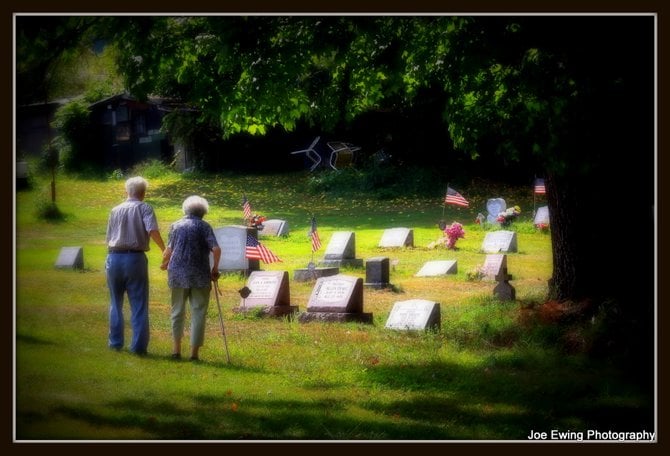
246	208
257	251
539	187
314	234
453	197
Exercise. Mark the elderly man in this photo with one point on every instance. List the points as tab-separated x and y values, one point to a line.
130	226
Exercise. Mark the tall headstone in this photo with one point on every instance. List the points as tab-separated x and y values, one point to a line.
336	298
493	265
397	237
438	268
542	216
494	206
377	272
268	293
414	315
233	242
341	251
70	258
274	227
499	241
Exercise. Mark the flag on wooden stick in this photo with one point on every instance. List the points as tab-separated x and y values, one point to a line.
539	188
314	235
246	208
257	251
455	198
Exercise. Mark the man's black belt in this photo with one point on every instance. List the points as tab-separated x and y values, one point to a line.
125	251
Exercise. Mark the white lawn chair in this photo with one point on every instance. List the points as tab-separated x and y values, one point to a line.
311	154
342	154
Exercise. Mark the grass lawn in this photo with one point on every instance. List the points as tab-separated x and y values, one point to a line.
494	370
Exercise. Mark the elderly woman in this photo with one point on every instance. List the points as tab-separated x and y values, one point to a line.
187	260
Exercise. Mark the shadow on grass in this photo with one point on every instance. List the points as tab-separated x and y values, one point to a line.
503	399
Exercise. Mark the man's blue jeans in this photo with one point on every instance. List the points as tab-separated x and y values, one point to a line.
128	273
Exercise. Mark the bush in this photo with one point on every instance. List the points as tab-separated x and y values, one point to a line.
151	169
49	211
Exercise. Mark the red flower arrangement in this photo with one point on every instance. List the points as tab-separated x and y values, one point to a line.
256	221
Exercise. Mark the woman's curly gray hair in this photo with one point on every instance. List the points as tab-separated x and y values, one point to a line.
195	205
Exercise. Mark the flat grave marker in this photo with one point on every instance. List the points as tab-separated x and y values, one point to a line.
414	314
397	237
274	227
70	258
500	241
438	268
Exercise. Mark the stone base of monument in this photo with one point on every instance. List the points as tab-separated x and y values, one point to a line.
344	263
342	317
268	311
377	286
306	275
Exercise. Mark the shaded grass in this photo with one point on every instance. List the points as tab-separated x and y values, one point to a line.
489	373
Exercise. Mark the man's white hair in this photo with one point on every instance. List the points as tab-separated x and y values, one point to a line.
136	186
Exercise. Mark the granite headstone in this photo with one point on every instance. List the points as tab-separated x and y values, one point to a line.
269	292
336	298
542	215
232	240
341	250
377	272
493	265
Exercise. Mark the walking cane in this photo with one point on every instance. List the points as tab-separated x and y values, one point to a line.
218	304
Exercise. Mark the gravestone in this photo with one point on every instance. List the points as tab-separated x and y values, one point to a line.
493	265
268	292
341	251
233	242
499	241
70	258
438	268
275	227
336	298
503	290
495	206
397	237
414	314
377	273
542	215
